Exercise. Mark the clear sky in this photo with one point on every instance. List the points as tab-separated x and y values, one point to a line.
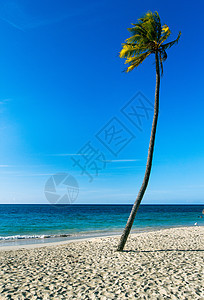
62	85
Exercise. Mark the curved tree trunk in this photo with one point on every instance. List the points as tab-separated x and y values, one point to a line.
136	205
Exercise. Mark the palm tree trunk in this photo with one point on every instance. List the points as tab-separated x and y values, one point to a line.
136	205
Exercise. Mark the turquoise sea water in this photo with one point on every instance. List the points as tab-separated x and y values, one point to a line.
29	223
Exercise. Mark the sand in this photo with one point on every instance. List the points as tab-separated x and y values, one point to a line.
164	264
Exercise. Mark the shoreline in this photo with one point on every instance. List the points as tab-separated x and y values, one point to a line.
53	242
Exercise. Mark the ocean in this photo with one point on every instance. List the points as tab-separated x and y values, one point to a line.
36	223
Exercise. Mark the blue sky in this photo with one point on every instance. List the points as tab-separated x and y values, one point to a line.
61	84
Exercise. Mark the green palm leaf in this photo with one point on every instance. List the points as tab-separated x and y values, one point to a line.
170	44
147	37
136	61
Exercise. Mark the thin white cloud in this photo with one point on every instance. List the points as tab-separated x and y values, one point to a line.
68	154
4	166
39	174
12	24
127	167
121	160
22	174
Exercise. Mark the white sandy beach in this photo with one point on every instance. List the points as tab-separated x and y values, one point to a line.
165	264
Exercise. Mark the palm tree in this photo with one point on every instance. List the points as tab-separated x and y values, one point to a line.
147	37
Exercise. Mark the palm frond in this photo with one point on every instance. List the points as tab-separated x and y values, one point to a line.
164	34
129	50
170	44
158	27
148	23
152	23
139	34
163	55
136	61
147	37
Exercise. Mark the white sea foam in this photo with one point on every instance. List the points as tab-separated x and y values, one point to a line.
22	237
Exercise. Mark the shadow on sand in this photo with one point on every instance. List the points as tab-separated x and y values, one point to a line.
163	250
